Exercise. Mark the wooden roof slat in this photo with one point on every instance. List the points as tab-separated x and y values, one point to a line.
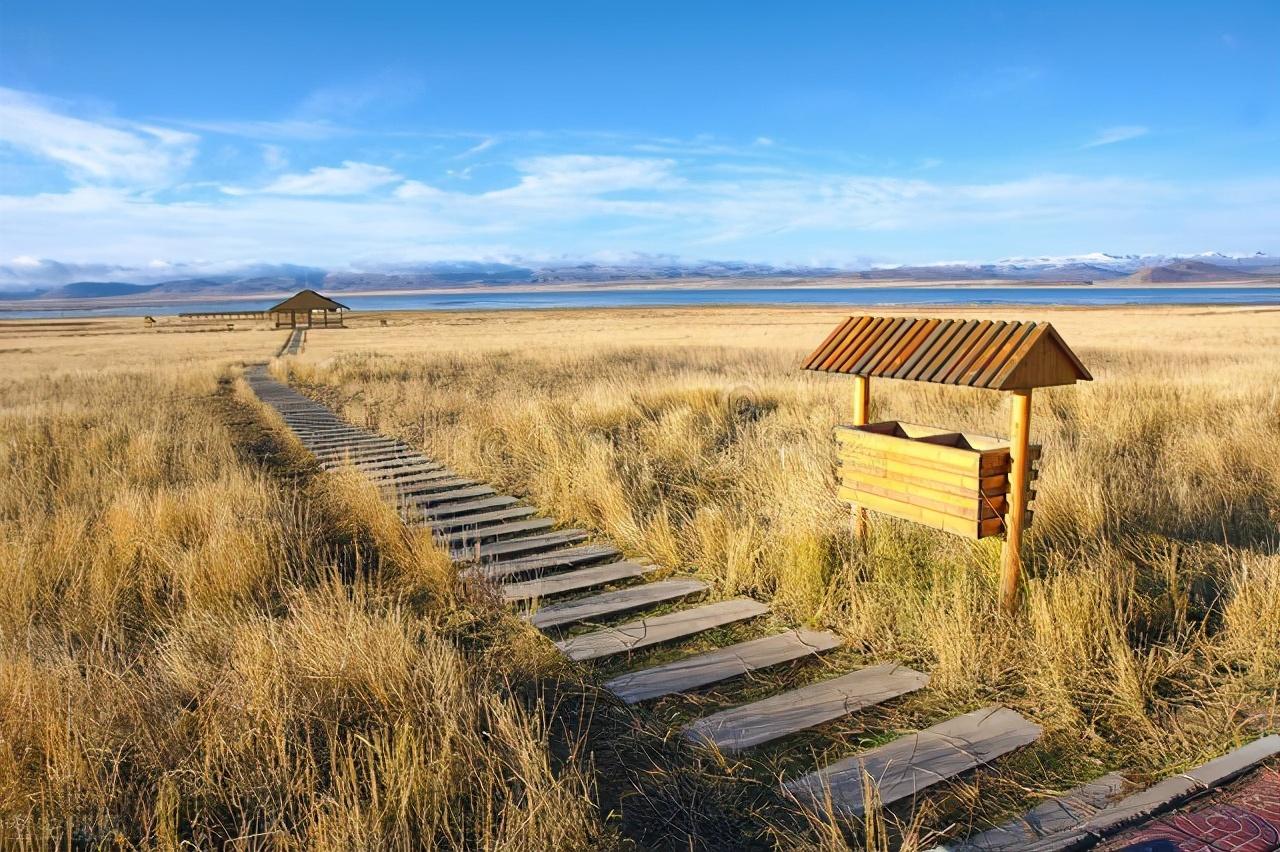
885	343
946	357
861	342
999	355
851	337
921	333
831	342
974	352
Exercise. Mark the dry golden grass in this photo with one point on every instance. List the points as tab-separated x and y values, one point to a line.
1148	639
193	655
199	649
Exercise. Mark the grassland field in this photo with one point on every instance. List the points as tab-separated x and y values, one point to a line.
203	641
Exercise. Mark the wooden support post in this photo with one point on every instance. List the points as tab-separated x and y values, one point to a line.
861	415
1019	468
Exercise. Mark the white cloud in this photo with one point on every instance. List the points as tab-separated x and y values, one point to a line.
482	145
351	178
764	141
274	157
94	151
416	190
1111	135
552	179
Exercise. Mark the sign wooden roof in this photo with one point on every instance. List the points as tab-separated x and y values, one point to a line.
308	300
974	353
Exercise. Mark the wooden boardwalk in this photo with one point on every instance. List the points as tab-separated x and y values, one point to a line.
589	586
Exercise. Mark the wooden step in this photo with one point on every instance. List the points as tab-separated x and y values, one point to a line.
573	581
799	709
425	470
722	664
389	465
519	546
330	437
1052	816
339	439
375	464
466	507
915	762
357	452
454	496
426	493
569	557
467	537
482	519
662	628
342	444
378	459
613	603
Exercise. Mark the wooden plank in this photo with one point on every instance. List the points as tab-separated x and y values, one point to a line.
1052	816
346	443
466	507
1175	790
662	628
392	460
468	537
569	557
908	512
457	495
611	603
800	709
480	519
912	763
909	471
359	450
957	485
953	458
722	664
402	481
426	493
520	546
573	581
971	505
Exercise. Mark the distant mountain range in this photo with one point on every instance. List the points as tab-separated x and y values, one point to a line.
22	282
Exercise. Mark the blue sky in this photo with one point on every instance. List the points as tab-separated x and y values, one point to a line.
164	135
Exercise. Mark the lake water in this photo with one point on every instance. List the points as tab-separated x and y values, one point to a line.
860	297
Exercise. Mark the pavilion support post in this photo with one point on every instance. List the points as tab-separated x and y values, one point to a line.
861	417
1019	469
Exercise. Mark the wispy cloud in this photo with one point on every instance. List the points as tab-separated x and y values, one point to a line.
1112	135
351	178
94	151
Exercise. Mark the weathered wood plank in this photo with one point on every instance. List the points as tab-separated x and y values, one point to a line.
519	546
915	762
662	628
466	537
572	581
807	707
569	557
400	479
453	495
1175	790
425	493
466	507
392	460
482	519
613	603
722	664
1052	816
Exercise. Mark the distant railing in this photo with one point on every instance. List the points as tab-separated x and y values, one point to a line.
224	315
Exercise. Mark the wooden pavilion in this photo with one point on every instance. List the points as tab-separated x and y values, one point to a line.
307	304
